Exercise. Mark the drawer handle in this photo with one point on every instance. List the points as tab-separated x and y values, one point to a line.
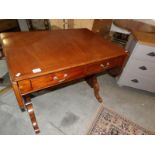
152	54
108	63
65	75
135	80
55	78
62	80
102	65
143	68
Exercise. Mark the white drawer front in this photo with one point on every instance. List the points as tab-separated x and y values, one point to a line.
136	81
144	52
144	68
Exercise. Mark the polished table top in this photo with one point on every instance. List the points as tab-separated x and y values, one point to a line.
39	60
51	51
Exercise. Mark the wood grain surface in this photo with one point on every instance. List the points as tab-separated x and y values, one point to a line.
145	38
133	25
38	60
54	51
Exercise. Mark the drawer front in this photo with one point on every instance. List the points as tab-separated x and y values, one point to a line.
144	52
144	68
25	86
57	78
136	81
52	79
104	65
96	68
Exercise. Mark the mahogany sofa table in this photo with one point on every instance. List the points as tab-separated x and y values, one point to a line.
38	60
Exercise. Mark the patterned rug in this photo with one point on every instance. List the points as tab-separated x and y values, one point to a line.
108	122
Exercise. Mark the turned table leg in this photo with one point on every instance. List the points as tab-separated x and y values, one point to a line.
92	81
29	107
19	98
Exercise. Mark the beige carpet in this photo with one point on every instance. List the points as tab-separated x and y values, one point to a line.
108	122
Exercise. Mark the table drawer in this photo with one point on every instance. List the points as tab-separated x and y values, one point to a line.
45	81
144	68
137	81
25	86
57	78
144	52
104	65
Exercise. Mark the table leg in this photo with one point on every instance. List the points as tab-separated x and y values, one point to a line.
19	98
29	107
92	81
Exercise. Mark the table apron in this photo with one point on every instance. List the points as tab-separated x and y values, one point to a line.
41	82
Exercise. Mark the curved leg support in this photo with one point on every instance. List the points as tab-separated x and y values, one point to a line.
29	107
19	98
96	90
92	81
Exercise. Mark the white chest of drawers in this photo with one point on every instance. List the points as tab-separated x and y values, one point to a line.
139	71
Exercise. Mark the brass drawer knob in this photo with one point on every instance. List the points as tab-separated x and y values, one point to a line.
55	78
108	63
65	75
102	65
61	80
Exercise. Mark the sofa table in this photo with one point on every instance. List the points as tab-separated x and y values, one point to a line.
43	59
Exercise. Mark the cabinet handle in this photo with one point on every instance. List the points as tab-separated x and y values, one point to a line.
143	68
135	80
152	54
